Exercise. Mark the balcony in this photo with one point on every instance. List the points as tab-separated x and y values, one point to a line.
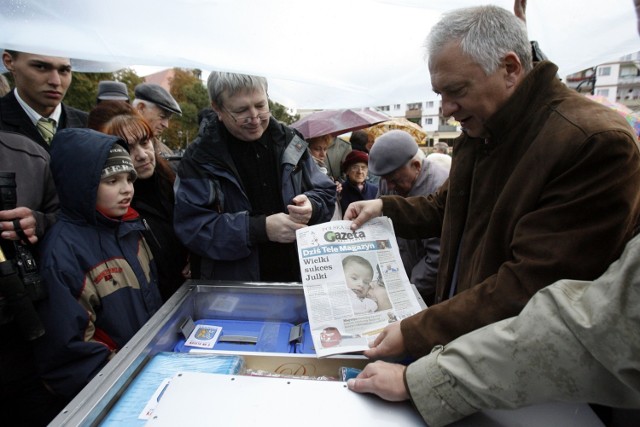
413	114
628	80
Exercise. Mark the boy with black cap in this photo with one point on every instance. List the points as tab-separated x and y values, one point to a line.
96	265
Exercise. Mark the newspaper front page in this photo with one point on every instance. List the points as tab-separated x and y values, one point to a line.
354	283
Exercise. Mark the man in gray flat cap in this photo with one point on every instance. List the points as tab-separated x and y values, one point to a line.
156	105
405	171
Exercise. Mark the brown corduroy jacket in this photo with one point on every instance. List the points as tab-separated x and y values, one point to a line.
554	193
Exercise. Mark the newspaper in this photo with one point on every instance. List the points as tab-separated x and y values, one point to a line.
354	283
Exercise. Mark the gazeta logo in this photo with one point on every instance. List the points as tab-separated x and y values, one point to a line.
338	236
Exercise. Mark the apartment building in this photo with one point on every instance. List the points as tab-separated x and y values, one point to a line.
427	114
618	81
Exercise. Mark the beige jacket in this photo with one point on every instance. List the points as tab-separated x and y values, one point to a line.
575	341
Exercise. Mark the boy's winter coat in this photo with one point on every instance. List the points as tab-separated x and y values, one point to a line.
99	271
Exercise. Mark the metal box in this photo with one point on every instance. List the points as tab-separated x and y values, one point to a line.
282	302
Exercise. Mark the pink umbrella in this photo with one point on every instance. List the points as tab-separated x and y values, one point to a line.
335	122
632	117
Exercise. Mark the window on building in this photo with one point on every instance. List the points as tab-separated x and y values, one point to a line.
428	121
602	92
628	71
383	108
396	107
429	104
604	71
414	106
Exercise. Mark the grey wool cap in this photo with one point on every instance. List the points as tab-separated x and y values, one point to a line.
391	151
158	95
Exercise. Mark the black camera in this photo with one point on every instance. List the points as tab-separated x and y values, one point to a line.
20	281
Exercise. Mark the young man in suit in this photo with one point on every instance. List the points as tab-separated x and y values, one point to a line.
34	108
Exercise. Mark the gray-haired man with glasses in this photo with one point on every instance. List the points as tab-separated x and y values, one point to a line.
245	185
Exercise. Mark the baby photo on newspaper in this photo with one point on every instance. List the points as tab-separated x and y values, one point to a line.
354	283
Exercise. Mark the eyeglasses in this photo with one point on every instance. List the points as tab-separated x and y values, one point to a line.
356	168
245	120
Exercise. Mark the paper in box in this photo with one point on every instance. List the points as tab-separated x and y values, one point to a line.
129	407
245	335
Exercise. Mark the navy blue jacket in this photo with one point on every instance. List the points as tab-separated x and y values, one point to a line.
351	193
98	271
213	213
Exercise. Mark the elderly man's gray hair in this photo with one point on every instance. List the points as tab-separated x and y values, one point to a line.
485	33
221	83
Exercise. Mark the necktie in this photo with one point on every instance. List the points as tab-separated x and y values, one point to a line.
47	128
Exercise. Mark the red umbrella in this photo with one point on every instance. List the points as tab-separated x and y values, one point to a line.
335	122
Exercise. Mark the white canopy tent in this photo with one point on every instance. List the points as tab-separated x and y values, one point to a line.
315	53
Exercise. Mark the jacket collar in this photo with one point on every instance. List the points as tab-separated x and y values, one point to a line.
33	114
14	115
533	94
109	222
213	150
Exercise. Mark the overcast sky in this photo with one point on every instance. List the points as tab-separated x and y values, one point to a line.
316	54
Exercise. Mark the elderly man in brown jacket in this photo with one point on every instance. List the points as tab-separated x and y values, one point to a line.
544	184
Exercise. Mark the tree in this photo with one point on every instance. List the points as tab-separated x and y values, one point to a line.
84	87
189	91
186	87
279	112
130	78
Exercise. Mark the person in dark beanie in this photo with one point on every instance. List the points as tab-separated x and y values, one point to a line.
96	265
356	187
154	199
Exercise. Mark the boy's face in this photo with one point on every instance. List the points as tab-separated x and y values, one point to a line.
358	278
319	149
114	194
